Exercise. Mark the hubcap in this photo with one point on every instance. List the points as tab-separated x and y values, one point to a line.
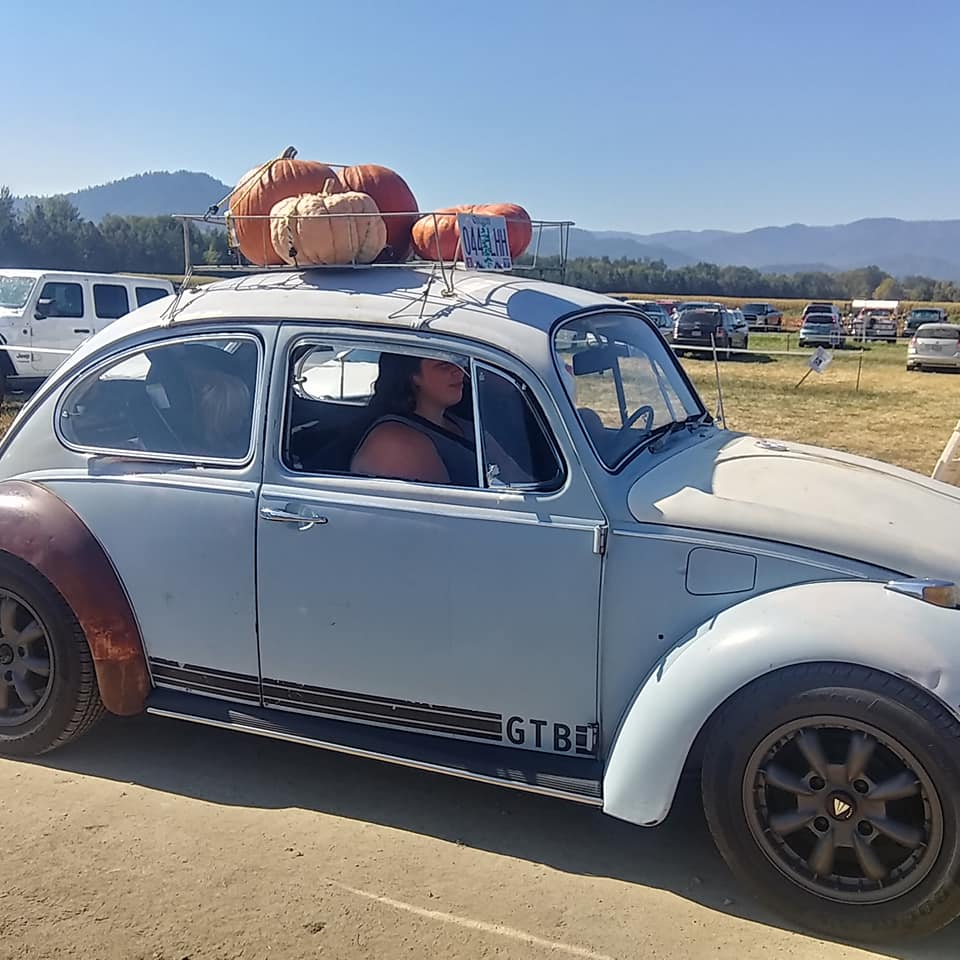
26	661
843	809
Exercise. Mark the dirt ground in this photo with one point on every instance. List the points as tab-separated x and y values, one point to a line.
158	840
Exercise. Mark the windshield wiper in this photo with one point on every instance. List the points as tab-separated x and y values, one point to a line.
656	439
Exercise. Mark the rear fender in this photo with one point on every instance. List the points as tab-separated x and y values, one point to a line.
39	529
853	622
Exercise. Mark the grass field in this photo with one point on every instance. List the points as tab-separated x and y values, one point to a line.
902	418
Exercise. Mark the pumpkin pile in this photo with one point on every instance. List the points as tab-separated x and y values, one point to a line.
307	213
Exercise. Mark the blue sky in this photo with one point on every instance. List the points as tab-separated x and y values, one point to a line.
621	115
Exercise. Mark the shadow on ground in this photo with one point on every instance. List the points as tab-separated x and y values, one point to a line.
220	767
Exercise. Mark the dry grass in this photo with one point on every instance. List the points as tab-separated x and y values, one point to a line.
899	417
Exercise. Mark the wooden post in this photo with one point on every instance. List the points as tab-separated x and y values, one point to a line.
948	466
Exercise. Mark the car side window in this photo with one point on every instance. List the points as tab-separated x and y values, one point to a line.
147	295
189	399
110	300
66	299
361	411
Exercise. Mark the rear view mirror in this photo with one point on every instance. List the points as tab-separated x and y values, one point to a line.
597	359
43	308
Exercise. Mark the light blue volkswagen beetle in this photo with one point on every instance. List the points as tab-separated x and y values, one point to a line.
487	528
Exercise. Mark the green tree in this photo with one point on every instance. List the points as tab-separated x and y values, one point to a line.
888	289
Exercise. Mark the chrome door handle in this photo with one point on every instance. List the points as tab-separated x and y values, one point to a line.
305	521
80	330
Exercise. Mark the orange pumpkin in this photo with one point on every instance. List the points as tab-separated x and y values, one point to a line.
391	195
261	188
303	232
519	226
436	237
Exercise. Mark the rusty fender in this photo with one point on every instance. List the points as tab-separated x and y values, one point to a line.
37	527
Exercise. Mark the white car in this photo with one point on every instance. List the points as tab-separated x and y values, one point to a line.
934	346
49	313
579	592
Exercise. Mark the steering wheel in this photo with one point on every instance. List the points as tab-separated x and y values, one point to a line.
647	411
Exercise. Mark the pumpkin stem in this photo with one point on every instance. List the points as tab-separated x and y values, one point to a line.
288	154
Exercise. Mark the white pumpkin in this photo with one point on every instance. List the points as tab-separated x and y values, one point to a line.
303	232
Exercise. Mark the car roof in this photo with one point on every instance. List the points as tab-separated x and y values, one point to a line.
34	274
930	327
508	312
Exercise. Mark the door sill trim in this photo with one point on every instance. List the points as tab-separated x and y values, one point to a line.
239	727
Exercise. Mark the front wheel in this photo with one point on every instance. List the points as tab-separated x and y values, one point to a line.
838	800
48	687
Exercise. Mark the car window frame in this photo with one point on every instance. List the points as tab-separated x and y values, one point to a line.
95	370
352	341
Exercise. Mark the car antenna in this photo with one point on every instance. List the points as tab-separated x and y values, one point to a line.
716	366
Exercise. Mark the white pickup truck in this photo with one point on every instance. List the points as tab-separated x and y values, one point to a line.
48	311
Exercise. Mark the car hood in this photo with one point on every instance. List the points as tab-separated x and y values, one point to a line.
806	496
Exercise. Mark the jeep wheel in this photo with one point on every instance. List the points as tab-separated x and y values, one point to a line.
48	688
838	801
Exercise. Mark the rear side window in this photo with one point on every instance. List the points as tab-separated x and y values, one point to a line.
939	333
190	399
147	295
66	299
110	300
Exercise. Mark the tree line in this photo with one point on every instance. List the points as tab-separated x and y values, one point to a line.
51	234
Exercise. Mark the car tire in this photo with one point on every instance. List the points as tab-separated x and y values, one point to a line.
748	784
48	686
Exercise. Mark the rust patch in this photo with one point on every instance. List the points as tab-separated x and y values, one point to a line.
37	527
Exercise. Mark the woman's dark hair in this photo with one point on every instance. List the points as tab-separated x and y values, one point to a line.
393	391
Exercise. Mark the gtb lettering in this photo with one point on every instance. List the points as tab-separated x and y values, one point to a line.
544	735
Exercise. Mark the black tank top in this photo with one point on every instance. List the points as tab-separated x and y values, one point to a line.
458	453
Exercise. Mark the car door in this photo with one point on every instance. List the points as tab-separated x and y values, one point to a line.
62	320
166	440
468	613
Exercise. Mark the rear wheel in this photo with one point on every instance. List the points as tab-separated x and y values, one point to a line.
838	800
48	687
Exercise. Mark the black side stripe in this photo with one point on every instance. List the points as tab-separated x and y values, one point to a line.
389	711
189	677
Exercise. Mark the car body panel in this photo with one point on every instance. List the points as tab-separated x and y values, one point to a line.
40	529
822	329
858	623
740	485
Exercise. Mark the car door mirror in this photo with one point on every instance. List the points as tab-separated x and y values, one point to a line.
43	308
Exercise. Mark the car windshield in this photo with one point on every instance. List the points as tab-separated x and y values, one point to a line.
14	291
926	313
626	385
752	307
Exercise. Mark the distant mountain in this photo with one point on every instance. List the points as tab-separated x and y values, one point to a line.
901	247
147	194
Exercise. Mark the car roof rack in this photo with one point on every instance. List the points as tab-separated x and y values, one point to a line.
547	252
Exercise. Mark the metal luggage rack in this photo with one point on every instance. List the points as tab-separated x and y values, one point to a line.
530	262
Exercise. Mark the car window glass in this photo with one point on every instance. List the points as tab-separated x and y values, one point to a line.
517	450
192	398
147	295
354	411
66	299
626	384
110	301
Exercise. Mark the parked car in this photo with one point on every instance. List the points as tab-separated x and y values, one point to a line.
703	328
875	325
657	313
920	315
578	591
762	316
55	310
822	329
935	346
696	305
820	307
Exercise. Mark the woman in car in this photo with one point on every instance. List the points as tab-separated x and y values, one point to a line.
415	437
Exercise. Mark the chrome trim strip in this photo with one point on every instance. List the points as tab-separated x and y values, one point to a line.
374	755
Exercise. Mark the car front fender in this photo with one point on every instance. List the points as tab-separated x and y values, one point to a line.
39	529
853	622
